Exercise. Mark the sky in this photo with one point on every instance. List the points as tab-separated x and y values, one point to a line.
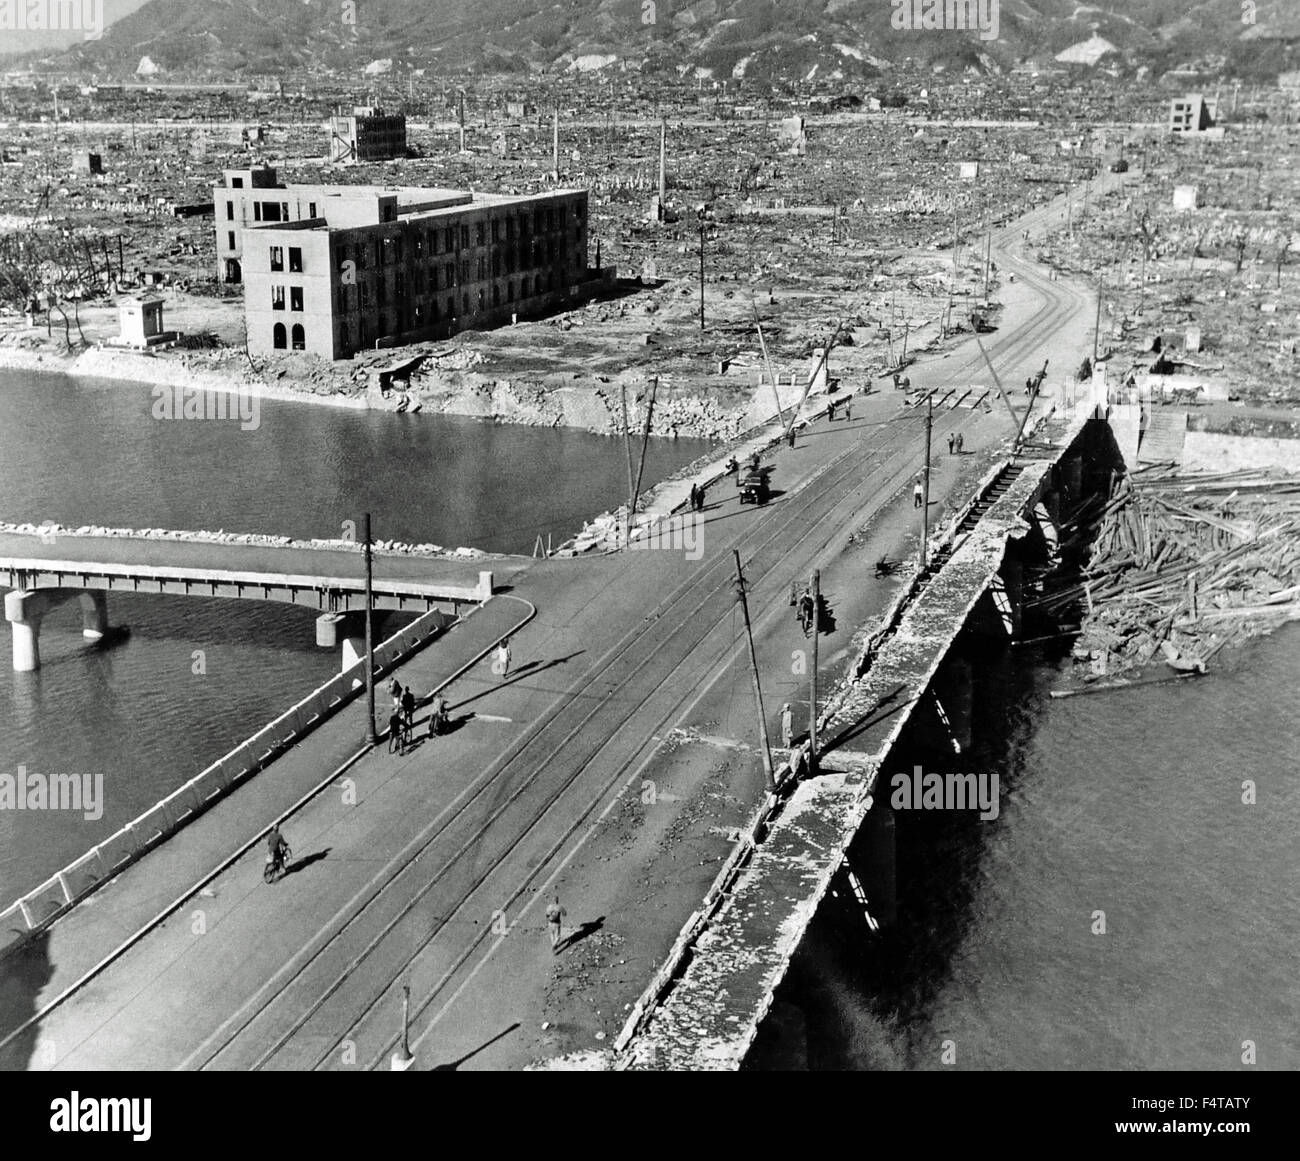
16	37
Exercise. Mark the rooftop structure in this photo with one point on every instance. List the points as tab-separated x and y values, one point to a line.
367	134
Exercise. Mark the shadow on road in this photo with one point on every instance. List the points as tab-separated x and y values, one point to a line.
530	670
452	1065
579	934
305	862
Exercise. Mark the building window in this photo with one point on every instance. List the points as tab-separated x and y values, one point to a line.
278	337
381	291
230	211
299	337
257	211
510	291
277	298
236	183
482	300
295	298
496	265
496	230
482	268
311	209
478	234
230	239
450	239
451	273
510	229
433	278
464	270
496	295
277	257
295	260
464	237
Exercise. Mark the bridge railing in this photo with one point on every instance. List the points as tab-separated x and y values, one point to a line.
40	906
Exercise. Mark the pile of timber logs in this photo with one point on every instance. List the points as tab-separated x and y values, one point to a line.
1180	567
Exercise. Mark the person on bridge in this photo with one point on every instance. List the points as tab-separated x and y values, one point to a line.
918	494
787	726
437	715
408	707
952	443
501	666
555	922
276	845
961	442
395	738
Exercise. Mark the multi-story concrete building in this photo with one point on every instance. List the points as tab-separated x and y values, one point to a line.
367	134
352	268
1191	114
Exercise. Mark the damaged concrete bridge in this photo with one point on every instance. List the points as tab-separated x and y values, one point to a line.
913	678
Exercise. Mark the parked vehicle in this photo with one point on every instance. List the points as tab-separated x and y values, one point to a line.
754	489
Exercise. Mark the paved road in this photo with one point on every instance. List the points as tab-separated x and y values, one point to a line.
429	870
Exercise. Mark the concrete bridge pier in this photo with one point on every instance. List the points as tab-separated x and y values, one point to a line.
348	630
25	609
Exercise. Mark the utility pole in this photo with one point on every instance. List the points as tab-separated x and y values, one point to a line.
627	446
701	270
1096	333
925	493
753	669
812	704
371	736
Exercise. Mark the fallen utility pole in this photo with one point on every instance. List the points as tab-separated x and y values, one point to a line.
767	362
826	354
998	383
645	443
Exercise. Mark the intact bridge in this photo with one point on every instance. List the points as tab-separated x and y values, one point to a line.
331	580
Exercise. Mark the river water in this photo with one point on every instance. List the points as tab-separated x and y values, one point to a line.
136	713
1126	809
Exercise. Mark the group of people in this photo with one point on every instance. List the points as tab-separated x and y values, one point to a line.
697	498
955	443
402	719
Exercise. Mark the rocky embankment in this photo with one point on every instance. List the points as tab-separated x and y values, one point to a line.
49	531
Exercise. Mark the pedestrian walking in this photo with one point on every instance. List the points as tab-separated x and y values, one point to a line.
790	437
699	498
437	715
695	498
952	443
787	726
408	707
961	442
395	732
918	495
502	663
848	411
555	922
830	412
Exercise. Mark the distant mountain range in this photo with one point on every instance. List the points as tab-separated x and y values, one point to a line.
765	39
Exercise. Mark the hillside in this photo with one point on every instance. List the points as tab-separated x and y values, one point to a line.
786	39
